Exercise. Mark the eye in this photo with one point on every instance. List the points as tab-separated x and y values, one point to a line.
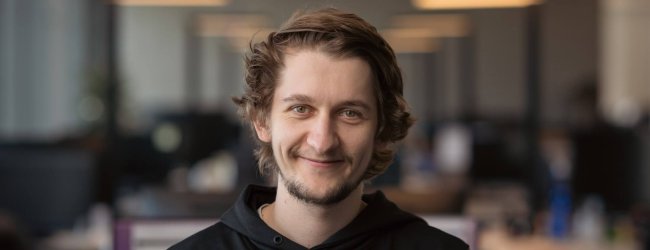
348	113
300	109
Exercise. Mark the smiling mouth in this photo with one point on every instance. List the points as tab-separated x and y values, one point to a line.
322	162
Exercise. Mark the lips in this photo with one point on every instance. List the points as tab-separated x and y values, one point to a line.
322	163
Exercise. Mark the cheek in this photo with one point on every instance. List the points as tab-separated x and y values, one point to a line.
362	144
284	135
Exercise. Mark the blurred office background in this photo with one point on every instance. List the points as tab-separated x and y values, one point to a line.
533	118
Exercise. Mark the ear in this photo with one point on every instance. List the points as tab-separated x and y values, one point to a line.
262	131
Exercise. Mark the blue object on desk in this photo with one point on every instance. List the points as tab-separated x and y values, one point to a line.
560	215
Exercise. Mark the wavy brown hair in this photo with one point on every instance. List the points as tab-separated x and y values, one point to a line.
341	35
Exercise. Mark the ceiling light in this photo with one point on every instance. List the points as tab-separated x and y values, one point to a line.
411	40
412	45
443	25
239	29
172	3
472	4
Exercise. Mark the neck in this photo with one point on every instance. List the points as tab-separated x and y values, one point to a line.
309	224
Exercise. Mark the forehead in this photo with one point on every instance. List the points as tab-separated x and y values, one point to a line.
319	73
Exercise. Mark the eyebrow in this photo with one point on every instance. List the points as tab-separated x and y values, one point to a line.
297	98
359	104
307	99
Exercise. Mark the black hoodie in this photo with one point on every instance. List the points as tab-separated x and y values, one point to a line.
381	225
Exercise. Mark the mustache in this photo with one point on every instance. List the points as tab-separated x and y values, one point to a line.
328	156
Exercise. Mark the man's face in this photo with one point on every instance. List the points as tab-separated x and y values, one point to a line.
322	125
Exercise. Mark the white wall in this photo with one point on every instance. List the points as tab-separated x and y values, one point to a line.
151	59
42	67
625	77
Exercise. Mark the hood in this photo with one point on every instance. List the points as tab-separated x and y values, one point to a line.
378	215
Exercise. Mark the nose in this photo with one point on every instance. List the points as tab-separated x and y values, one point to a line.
322	136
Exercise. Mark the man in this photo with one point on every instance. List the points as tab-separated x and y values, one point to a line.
324	98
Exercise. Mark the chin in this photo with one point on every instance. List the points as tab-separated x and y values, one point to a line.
317	195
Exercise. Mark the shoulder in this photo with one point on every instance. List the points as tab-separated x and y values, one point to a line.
217	236
419	235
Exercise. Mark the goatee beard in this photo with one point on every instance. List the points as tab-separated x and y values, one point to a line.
300	192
